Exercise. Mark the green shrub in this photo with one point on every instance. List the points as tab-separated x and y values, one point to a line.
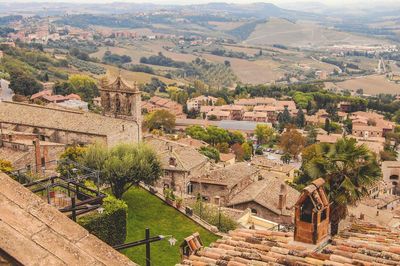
211	153
259	151
109	226
213	216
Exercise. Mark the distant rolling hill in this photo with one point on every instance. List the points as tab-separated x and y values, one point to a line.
303	34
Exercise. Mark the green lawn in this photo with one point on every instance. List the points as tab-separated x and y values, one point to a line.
146	210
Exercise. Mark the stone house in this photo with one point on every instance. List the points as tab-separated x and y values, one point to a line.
367	131
391	176
236	111
227	159
220	185
219	115
202	100
286	171
255	116
269	198
159	103
25	150
179	161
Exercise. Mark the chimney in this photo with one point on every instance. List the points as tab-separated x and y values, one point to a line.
38	158
312	219
282	198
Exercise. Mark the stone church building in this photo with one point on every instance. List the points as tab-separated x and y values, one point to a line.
120	122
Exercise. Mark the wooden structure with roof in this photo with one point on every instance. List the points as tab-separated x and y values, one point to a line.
191	245
312	214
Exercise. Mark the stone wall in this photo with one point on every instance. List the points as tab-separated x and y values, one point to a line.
127	133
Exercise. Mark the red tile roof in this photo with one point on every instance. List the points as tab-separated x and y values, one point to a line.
360	244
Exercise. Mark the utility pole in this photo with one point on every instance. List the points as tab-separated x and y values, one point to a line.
73	205
147	237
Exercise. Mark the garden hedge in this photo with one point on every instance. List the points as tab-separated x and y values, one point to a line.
109	226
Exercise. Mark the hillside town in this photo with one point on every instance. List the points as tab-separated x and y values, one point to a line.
113	152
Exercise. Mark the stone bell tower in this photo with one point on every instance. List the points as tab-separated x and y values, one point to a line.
121	100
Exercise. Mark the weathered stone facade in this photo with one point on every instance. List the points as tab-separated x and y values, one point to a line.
180	162
121	100
224	183
66	126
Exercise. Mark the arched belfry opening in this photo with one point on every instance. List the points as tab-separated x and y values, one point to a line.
121	99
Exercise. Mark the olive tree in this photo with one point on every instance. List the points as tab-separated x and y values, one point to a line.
124	165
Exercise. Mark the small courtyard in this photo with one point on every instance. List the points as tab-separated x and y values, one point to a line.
146	210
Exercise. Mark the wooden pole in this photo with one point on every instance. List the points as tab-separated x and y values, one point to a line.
147	247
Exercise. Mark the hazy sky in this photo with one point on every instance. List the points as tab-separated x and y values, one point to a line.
327	2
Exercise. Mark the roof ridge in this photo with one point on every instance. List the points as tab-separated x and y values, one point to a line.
44	107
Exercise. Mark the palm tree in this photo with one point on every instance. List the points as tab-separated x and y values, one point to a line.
349	171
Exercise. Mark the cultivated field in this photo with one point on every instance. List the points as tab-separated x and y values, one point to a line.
138	49
303	34
220	25
138	77
254	72
373	84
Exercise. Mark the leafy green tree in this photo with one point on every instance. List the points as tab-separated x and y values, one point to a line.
63	88
259	151
197	132
331	109
24	84
217	135
311	135
84	86
349	170
263	133
238	151
284	119
67	160
160	119
300	119
213	118
348	125
236	137
327	126
396	117
5	166
309	107
247	151
124	165
223	147
292	142
285	158
210	152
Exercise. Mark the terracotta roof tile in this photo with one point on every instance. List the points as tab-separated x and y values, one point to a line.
359	244
35	233
229	175
39	116
266	193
